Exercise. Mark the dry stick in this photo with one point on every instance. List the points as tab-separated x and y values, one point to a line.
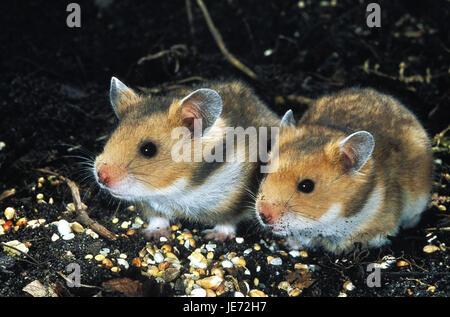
82	215
219	41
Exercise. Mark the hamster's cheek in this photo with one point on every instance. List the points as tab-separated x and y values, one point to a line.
129	188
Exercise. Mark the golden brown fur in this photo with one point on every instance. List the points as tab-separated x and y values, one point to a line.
399	172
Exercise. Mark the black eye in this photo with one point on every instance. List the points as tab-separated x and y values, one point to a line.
148	149
305	186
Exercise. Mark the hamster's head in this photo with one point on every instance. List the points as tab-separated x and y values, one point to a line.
139	161
318	170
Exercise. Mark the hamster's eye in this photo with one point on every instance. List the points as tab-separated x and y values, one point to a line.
305	186
148	149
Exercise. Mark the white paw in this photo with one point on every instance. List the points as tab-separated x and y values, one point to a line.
220	232
157	227
293	243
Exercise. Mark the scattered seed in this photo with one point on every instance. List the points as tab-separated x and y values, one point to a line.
9	213
198	292
349	286
239	240
430	248
227	264
115	220
257	293
210	282
99	257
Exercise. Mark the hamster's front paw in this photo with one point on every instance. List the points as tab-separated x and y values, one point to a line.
293	243
157	227
220	232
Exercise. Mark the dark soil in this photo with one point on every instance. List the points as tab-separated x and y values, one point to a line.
54	107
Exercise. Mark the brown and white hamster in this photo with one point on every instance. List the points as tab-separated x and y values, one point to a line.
356	168
137	161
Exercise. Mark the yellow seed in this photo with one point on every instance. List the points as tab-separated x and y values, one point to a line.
107	263
295	292
256	281
303	254
442	208
402	263
137	262
257	247
115	220
99	257
166	248
257	293
40	196
210	255
115	269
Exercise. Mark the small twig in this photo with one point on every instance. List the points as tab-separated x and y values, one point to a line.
219	41
81	285
82	215
190	17
34	261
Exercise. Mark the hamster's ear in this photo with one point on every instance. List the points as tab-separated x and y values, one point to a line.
203	104
288	119
121	97
356	149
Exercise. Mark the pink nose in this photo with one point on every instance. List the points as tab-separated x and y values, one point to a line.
269	212
109	174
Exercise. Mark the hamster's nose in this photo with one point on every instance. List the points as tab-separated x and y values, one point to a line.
108	174
269	212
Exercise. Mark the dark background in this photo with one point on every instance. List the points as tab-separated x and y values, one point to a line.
54	80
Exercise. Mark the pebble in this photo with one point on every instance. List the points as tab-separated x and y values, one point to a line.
430	248
170	274
9	213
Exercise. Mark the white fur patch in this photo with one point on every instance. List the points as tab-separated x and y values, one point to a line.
331	226
412	211
178	198
156	223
